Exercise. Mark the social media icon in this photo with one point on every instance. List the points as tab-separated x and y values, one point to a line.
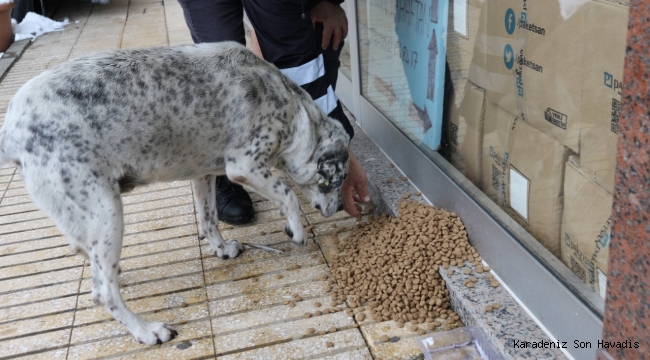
510	21
609	80
508	56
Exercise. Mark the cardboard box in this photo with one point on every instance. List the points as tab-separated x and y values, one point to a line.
604	61
466	132
462	30
523	172
528	59
586	228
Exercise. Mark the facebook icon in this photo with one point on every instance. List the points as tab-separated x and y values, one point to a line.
510	21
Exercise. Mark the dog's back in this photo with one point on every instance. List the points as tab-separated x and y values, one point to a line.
151	106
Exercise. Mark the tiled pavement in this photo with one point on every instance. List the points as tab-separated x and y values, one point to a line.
229	309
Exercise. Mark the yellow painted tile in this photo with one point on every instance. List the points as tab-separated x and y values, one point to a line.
157	187
16	183
20	216
257	268
41	266
124	344
48	340
13	201
159	246
17	312
161	204
112	328
13	237
182	227
15	192
9	170
30	326
156	214
39	294
33	256
194	348
315	346
269	315
291	329
50	355
268	281
26	225
143	195
405	348
24	245
164	223
289	248
52	277
257	300
147	289
91	314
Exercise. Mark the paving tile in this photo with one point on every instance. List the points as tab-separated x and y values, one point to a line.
197	332
26	327
14	217
177	227
36	295
13	313
40	342
41	266
17	259
289	249
44	239
315	346
111	328
32	281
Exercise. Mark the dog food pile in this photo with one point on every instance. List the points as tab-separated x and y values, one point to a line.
391	264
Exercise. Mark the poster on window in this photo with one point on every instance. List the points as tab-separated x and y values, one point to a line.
405	67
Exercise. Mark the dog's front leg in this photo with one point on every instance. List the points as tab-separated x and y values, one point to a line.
262	180
205	202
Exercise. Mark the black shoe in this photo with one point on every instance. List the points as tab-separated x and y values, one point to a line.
234	205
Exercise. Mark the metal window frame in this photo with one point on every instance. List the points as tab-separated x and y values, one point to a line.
565	307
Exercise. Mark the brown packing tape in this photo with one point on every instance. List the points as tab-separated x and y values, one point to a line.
466	133
603	61
586	227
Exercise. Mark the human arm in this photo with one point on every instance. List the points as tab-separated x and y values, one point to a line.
334	20
356	181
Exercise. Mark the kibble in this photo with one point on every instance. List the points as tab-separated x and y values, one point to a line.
255	279
431	327
389	180
262	233
307	315
390	265
183	304
468	271
291	304
384	338
494	283
317	304
278	276
332	329
329	344
496	306
404	178
421	332
318	313
417	193
311	331
361	317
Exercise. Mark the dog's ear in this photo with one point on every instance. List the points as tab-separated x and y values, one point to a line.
333	169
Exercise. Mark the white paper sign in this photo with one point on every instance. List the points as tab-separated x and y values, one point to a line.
519	193
460	17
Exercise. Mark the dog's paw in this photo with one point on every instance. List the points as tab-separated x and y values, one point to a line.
296	233
154	333
230	250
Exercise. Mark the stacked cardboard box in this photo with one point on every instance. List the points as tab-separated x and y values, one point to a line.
551	72
601	96
466	132
523	172
586	228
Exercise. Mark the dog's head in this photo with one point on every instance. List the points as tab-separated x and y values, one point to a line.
321	177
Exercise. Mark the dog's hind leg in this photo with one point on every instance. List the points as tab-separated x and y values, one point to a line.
262	180
205	201
89	210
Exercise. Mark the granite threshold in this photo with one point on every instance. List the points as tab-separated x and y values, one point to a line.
505	328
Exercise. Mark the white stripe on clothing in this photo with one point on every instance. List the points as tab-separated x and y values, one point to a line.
306	73
327	102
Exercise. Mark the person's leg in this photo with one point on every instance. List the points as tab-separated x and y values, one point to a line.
215	21
291	42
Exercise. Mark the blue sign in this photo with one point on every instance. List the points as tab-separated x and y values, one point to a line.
510	21
508	56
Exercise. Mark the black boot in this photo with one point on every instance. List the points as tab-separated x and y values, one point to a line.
234	205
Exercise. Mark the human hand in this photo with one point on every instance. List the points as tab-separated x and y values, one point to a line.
335	23
356	180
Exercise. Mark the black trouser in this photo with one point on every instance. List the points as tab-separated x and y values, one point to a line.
286	36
